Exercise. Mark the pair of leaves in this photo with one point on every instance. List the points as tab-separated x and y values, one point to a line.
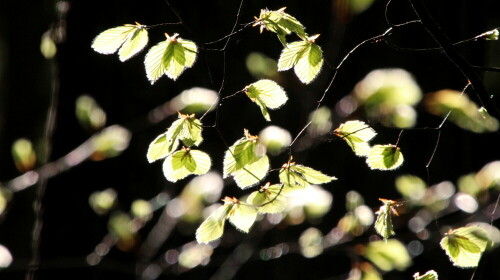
269	198
465	245
241	215
383	224
170	57
306	58
357	134
429	275
266	94
296	176
182	163
245	162
280	23
130	39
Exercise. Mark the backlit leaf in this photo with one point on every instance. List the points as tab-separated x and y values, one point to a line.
291	54
159	148
170	57
186	129
243	216
465	245
130	39
186	162
385	157
244	162
269	198
429	275
383	224
267	94
213	227
388	254
298	176
309	64
357	134
280	23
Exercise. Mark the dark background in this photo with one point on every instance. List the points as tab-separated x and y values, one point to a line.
71	229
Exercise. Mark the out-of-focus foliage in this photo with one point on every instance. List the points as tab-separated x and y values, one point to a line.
103	201
110	142
275	139
23	154
261	66
5	257
89	114
462	111
195	100
388	255
310	242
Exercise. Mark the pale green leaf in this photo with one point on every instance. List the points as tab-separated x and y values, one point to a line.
252	173
159	148
357	134
170	57
268	199
184	163
213	227
291	54
383	224
239	155
110	40
134	44
429	275
309	63
299	176
385	157
465	245
243	216
186	129
388	254
267	94
280	23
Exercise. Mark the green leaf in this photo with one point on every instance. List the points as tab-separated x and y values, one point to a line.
186	129
291	54
159	148
465	245
267	94
269	198
383	224
170	57
243	216
385	157
309	64
244	163
130	39
184	163
429	275
280	23
213	227
298	176
357	134
388	254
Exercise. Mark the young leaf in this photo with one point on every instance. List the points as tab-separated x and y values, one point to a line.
159	148
383	224
309	64
298	176
267	94
170	57
243	162
269	198
213	227
465	245
186	162
186	129
388	254
280	23
242	216
385	157
291	54
130	39
429	275
357	134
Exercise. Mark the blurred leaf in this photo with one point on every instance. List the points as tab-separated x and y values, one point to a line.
110	142
261	66
358	6
280	23
184	163
195	100
275	139
170	57
298	176
141	209
268	199
243	162
130	39
357	134
388	255
464	112
89	114
429	275
120	225
311	242
383	224
103	201
364	271
385	157
23	154
267	94
411	187
48	46
5	257
465	245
